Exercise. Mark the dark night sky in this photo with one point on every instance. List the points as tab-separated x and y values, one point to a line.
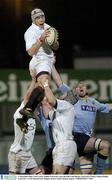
80	23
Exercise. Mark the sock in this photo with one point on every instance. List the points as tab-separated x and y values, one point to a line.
100	163
36	97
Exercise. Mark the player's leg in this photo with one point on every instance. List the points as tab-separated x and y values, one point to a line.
47	162
72	168
60	169
103	148
86	164
41	79
35	98
37	94
84	145
64	155
33	168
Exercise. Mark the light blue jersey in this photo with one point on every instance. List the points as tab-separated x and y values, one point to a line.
45	123
85	114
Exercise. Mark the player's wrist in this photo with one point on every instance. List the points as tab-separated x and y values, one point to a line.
40	40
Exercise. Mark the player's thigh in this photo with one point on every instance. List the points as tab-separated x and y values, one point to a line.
90	145
43	78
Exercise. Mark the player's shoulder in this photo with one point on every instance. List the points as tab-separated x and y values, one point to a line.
46	26
64	103
91	98
29	30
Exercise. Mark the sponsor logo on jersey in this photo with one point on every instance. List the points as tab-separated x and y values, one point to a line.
88	108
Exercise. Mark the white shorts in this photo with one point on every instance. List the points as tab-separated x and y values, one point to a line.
64	153
19	162
42	64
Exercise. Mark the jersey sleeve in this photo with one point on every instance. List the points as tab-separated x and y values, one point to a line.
101	107
63	105
30	39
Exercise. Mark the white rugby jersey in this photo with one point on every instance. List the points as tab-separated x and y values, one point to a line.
32	35
62	121
22	141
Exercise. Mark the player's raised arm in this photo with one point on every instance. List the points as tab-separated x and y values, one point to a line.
49	95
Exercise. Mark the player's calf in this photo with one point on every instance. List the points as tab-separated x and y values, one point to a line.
36	97
103	152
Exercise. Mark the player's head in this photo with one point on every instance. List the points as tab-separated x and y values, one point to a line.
38	16
81	89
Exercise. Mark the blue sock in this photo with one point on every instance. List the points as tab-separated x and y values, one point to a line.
100	163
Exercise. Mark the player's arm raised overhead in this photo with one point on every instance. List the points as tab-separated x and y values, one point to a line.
56	76
49	95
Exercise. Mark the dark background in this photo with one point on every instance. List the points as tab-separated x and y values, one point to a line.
84	29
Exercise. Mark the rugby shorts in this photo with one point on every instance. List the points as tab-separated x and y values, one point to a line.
21	161
64	153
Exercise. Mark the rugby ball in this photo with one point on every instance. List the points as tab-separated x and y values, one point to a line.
52	38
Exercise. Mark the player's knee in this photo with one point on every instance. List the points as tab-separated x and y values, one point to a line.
105	146
86	168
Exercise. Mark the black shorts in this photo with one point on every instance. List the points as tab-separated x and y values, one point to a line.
81	140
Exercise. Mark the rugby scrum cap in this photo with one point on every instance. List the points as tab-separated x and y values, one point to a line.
36	13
